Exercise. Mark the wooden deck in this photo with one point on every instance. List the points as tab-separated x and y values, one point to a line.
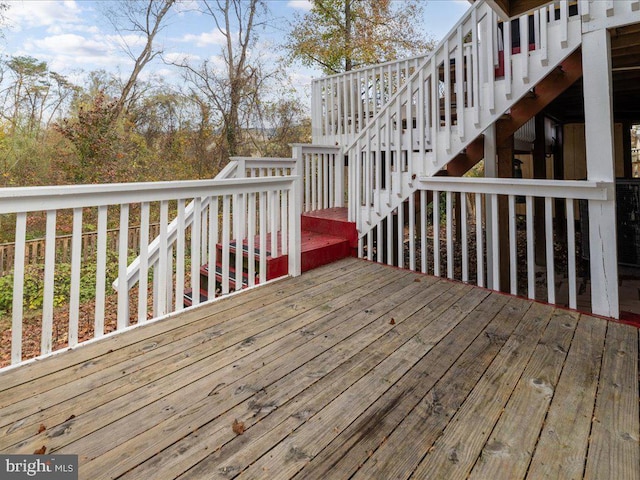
353	370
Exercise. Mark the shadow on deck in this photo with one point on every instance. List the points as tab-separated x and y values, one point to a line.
353	370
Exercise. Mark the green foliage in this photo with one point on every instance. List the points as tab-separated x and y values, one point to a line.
340	35
34	284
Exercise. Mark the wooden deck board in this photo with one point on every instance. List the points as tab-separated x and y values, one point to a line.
572	407
614	451
353	370
159	348
505	455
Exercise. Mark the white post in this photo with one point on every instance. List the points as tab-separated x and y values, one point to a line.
295	237
297	153
490	171
598	94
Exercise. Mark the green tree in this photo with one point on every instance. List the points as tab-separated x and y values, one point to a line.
341	35
96	139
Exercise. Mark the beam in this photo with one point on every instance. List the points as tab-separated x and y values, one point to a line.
508	9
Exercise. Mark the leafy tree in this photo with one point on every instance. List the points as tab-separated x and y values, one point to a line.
233	91
96	140
341	35
284	122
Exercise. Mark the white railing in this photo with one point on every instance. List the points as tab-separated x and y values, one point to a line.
236	211
597	14
323	172
452	229
343	104
237	168
468	82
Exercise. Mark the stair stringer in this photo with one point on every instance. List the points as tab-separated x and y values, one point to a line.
372	201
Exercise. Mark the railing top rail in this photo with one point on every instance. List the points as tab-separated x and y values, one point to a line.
265	159
317	148
228	171
576	189
259	162
371	67
28	199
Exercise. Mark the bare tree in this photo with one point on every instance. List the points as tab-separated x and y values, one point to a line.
143	18
233	90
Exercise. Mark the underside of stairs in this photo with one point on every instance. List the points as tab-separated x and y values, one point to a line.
326	236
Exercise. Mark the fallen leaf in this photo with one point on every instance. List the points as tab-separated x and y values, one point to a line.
417	280
238	427
40	451
392	321
41	428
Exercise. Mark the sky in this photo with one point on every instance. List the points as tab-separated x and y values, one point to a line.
74	37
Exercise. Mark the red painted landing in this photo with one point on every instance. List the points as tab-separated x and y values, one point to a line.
326	236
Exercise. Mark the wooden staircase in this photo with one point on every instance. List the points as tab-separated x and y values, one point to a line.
326	235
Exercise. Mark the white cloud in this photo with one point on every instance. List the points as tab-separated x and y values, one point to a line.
131	41
204	39
180	58
38	13
69	44
67	52
186	7
300	4
60	29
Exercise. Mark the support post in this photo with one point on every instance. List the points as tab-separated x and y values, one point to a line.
599	133
490	171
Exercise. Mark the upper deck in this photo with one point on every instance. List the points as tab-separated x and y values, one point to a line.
353	370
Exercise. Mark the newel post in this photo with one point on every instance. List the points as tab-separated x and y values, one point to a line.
598	94
295	212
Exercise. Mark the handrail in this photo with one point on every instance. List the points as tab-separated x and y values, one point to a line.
574	189
450	100
434	53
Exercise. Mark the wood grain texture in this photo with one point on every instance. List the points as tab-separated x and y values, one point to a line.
354	370
614	451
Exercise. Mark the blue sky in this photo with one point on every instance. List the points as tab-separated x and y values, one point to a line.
74	37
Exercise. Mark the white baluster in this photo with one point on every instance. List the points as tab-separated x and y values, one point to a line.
436	233
101	271
412	232
423	231
513	249
551	287
531	264
180	251
465	234
18	288
571	254
123	251
479	242
74	293
449	210
143	271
